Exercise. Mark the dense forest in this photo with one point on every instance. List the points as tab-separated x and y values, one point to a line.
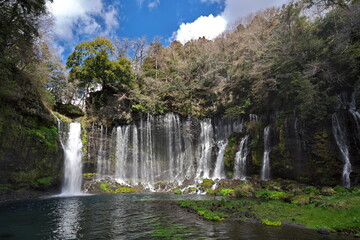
297	63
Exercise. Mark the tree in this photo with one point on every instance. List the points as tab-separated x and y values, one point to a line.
95	63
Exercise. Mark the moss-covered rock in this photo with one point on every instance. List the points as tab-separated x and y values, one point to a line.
245	190
227	192
30	152
326	167
69	110
207	183
113	188
300	200
230	152
328	191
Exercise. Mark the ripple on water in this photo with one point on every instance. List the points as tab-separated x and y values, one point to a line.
133	216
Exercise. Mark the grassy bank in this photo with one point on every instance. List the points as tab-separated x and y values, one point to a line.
330	209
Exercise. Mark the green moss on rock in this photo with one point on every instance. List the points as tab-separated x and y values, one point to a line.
245	190
114	188
230	152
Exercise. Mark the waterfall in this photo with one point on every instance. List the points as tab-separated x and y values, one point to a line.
162	151
146	152
355	114
170	122
122	139
204	150
265	171
188	151
240	159
73	164
101	155
219	172
340	137
179	150
254	117
135	155
61	131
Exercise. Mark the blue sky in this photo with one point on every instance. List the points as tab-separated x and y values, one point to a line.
182	20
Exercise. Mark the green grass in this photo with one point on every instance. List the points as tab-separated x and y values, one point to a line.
338	217
340	212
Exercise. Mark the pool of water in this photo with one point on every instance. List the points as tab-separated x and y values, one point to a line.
133	216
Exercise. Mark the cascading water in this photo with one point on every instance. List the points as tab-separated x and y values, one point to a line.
146	154
122	139
265	171
355	114
188	151
219	172
135	156
73	161
340	137
163	151
240	159
204	150
101	155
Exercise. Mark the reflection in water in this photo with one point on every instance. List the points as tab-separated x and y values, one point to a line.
68	224
133	216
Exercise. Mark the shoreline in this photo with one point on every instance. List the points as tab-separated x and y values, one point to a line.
248	215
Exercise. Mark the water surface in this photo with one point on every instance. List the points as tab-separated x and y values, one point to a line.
133	216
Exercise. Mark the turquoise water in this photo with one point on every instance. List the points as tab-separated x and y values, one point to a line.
133	216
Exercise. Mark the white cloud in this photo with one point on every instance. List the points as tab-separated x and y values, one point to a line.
150	3
75	19
210	27
71	13
153	4
205	26
82	16
111	21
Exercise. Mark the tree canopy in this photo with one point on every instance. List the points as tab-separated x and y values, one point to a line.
95	62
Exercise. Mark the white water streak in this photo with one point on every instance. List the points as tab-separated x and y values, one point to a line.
219	172
265	171
204	150
340	137
73	162
240	159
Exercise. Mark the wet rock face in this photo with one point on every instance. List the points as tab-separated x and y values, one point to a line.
30	151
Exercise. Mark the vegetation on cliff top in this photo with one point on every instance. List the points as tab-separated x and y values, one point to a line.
278	60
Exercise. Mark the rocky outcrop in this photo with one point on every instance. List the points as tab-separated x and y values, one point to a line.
30	151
